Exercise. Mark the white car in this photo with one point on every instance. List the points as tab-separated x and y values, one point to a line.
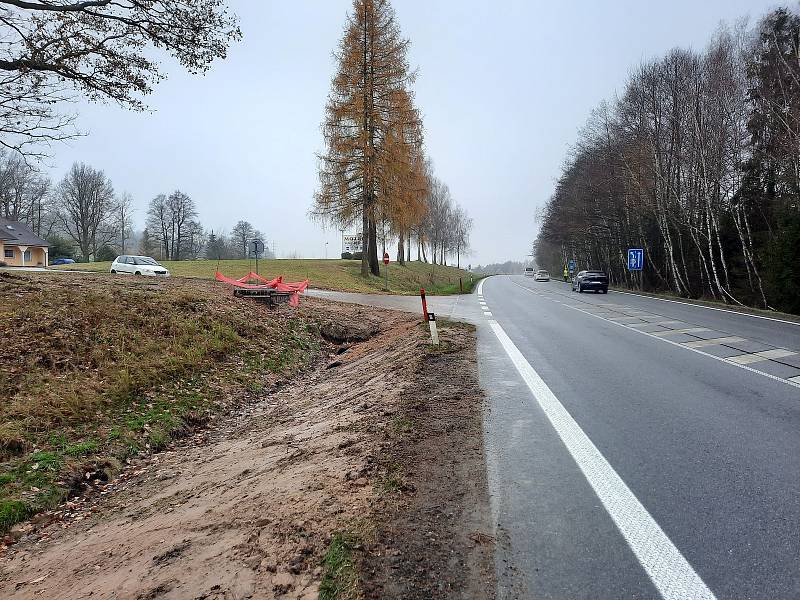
528	271
139	265
541	275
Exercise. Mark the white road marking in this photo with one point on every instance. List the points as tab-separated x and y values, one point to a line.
687	330
715	342
792	383
746	359
734	312
670	572
795	379
487	314
480	287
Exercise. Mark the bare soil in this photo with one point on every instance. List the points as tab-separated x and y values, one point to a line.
381	441
434	540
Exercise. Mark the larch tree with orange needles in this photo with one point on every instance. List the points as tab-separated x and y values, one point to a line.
373	133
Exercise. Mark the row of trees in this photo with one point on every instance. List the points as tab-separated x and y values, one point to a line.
374	174
83	217
697	162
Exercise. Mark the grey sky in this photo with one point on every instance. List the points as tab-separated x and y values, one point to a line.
503	88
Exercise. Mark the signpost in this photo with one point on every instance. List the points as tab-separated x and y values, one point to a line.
572	266
386	262
635	259
257	248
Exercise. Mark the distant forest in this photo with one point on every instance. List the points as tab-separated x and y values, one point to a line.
698	163
509	267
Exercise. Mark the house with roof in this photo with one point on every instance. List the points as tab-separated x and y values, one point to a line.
20	247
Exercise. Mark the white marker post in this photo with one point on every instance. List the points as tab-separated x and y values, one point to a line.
432	325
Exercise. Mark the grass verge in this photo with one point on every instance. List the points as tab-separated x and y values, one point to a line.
341	275
94	371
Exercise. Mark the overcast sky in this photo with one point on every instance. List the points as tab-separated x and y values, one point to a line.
503	88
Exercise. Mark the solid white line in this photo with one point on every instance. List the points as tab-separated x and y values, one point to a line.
670	572
480	286
685	347
733	312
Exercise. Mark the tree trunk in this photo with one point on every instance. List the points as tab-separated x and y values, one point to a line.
365	240
401	251
374	265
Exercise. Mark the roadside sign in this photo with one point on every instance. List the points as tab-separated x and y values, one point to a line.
386	258
256	247
572	265
351	243
635	259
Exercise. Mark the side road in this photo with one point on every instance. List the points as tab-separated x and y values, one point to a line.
355	481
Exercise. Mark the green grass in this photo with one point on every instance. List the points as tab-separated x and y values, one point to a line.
339	579
342	275
12	512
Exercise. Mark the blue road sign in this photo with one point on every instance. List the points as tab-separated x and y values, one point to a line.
571	265
635	259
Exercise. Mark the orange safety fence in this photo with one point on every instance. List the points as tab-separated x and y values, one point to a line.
294	288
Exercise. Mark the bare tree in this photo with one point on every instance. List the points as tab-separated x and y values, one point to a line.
85	201
23	192
52	51
124	219
698	164
462	227
241	234
170	219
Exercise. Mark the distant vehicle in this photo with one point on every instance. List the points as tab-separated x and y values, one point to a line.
62	261
528	271
139	265
541	275
590	280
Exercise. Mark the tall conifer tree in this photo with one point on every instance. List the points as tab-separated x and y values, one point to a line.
371	128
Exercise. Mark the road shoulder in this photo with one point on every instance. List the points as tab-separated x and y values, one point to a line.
434	537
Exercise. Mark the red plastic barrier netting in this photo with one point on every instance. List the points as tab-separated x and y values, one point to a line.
295	288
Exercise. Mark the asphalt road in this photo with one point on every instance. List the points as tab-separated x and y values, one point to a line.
704	432
636	448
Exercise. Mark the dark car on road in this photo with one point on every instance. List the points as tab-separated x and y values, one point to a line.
586	281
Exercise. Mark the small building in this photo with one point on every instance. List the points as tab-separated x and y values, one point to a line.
20	247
